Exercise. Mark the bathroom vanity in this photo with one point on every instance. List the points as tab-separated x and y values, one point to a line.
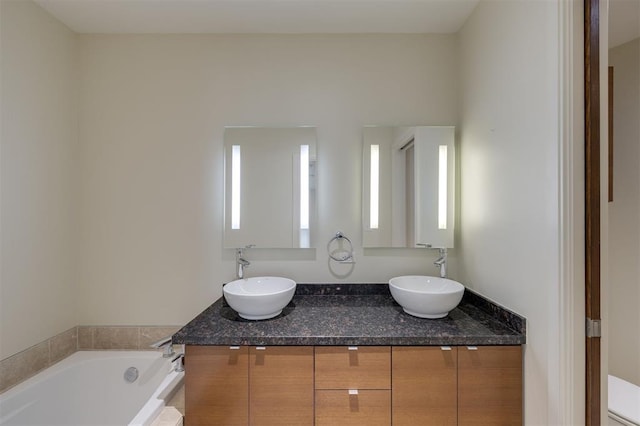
347	354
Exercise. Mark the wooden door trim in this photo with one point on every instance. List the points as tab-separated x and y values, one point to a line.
592	204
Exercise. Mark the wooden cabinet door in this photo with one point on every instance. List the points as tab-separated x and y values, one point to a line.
490	385
353	367
348	408
424	385
281	385
216	385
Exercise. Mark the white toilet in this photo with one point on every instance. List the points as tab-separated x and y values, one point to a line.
624	403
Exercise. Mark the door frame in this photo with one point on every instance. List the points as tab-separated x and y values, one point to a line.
592	209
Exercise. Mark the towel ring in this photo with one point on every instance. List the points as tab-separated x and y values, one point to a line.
340	254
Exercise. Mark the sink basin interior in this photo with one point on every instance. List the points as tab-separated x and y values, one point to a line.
426	297
259	298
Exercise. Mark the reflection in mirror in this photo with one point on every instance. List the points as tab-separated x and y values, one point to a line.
408	186
269	187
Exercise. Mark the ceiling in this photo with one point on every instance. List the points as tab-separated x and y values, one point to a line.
261	16
293	16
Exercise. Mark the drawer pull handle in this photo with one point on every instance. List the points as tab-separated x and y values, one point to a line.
353	348
261	348
445	348
353	391
234	348
472	348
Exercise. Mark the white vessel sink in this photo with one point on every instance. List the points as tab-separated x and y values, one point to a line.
259	298
426	297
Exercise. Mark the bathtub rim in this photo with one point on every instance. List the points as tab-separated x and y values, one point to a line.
65	363
148	412
619	408
158	400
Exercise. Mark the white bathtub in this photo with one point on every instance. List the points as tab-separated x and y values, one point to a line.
89	389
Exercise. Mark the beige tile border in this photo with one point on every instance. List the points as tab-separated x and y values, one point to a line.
121	337
63	345
19	367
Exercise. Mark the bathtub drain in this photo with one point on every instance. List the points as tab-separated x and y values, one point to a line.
131	374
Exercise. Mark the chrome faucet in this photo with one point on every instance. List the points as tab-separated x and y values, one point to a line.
179	367
241	262
442	262
166	345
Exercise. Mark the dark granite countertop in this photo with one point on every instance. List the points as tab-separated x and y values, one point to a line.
355	314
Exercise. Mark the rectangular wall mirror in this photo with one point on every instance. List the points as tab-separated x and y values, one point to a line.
270	196
408	186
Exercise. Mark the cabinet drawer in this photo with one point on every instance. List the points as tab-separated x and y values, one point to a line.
353	367
345	408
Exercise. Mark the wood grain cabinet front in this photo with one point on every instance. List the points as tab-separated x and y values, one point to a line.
353	367
353	385
216	379
425	385
353	408
256	386
463	386
281	385
490	385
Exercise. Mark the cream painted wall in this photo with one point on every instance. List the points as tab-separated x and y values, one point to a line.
624	216
38	176
510	177
153	109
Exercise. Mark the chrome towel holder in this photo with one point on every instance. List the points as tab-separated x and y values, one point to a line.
342	253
